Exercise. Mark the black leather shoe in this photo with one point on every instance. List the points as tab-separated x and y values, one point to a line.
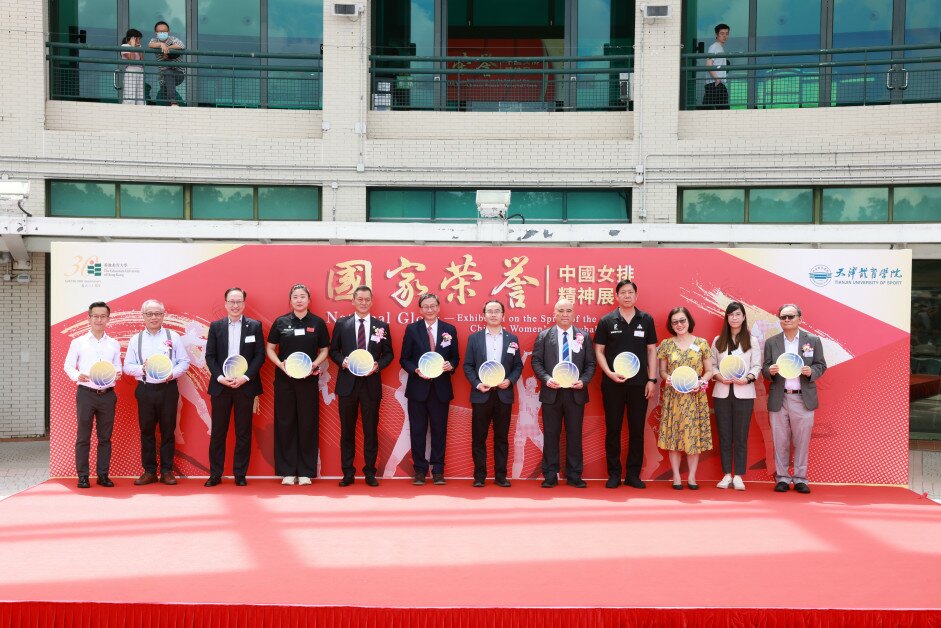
418	480
213	480
613	482
550	481
240	480
347	480
800	487
678	487
781	487
83	482
576	482
692	487
478	483
104	480
634	482
371	480
502	482
438	478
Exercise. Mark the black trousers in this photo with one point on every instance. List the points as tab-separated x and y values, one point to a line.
554	415
296	427
482	414
715	96
240	400
420	415
615	400
733	420
156	406
359	401
94	408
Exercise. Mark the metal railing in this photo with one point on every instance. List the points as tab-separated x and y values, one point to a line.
833	77
597	83
196	78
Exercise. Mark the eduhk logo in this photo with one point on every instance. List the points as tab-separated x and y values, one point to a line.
93	269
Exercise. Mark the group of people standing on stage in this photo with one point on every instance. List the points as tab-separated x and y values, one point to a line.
685	422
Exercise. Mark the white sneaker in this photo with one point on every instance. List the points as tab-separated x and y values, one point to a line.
726	480
737	483
288	479
303	480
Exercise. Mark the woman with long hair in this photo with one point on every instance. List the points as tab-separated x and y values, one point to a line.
734	398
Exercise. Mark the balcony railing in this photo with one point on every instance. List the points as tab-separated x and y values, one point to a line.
196	78
462	83
818	78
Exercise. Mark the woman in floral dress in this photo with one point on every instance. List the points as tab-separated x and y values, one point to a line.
684	423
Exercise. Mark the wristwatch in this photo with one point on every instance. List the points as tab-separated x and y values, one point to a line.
652	380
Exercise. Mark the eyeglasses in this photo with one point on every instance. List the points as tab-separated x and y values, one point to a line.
153	314
787	317
235	302
680	321
99	317
493	311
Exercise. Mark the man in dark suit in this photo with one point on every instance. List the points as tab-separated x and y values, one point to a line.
791	402
360	331
563	343
233	335
428	398
495	404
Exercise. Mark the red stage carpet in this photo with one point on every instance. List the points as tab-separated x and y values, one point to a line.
458	556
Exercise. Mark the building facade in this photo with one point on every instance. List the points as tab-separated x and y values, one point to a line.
295	124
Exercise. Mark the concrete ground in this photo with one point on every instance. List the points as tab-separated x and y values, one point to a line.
25	463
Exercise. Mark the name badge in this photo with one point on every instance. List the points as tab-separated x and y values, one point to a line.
511	351
808	354
575	347
446	343
374	338
639	333
694	347
249	339
298	332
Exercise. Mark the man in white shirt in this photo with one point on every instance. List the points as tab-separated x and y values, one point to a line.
95	399
157	394
716	94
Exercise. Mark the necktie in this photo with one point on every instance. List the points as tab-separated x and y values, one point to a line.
565	346
361	334
431	338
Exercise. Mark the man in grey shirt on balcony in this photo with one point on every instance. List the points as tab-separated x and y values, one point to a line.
716	94
170	77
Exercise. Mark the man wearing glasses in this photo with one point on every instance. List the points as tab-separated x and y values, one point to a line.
231	336
157	397
791	402
94	403
492	404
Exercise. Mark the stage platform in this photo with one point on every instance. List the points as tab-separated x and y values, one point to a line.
455	555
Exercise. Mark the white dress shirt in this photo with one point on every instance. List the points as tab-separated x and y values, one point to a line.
494	345
235	336
434	331
86	350
152	344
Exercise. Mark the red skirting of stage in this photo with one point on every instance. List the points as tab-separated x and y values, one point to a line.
267	555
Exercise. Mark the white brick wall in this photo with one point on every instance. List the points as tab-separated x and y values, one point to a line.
43	140
23	353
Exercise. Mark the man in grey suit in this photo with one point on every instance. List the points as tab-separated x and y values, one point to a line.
791	402
563	342
492	404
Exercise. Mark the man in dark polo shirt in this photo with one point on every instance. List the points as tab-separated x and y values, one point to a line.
626	329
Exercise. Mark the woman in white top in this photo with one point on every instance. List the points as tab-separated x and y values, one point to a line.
133	74
734	411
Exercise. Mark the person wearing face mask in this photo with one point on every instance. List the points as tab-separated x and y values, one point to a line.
170	77
133	92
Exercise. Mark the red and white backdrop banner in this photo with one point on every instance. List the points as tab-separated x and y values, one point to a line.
857	301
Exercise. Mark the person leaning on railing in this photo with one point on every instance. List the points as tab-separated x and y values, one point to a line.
170	77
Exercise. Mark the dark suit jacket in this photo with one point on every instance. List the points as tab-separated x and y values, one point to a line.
546	356
477	355
343	343
414	344
774	347
217	350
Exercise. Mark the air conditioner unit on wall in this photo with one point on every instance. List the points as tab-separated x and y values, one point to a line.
627	86
656	10
348	10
